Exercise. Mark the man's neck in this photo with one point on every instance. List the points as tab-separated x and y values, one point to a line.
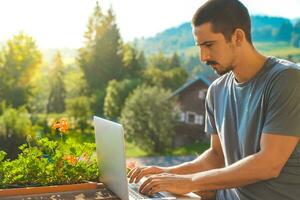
249	64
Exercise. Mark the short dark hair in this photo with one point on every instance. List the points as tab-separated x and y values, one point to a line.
225	16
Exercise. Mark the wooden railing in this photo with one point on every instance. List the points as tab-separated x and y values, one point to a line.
100	193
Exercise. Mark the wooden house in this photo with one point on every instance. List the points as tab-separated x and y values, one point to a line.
190	109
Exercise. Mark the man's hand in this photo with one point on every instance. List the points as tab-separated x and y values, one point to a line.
138	173
177	184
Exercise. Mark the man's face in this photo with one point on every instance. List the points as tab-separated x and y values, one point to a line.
214	49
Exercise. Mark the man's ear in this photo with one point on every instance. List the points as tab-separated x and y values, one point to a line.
238	37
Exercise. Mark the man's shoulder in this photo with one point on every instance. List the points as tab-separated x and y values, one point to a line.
222	80
282	65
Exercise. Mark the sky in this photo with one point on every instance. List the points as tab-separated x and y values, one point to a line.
62	23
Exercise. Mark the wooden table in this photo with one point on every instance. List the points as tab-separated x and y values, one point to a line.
100	193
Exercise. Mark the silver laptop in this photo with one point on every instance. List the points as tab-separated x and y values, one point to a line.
110	149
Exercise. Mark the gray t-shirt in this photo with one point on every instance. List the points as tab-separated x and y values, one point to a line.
240	112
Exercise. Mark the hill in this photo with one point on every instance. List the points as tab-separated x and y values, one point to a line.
179	39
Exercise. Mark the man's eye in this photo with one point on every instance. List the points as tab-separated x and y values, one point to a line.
208	45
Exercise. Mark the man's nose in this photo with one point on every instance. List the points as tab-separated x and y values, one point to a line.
204	55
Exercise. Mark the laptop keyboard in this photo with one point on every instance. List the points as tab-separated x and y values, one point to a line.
134	192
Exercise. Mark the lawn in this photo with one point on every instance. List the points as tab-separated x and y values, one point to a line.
279	49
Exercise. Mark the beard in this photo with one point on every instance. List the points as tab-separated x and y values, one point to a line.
221	70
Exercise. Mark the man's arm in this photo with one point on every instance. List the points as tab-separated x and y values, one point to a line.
266	164
211	159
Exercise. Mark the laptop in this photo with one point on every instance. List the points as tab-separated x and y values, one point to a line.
110	150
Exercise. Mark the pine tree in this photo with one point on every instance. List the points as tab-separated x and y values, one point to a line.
56	99
100	59
132	62
175	61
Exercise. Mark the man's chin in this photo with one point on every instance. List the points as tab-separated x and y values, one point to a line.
220	73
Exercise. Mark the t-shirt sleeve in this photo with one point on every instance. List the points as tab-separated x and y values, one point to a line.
210	127
283	104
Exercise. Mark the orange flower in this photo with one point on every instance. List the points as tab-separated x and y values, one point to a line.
72	160
61	125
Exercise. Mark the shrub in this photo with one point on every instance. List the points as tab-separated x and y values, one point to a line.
148	119
49	163
15	128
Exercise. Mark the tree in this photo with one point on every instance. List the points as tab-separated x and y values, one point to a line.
148	118
132	61
174	78
15	129
116	94
296	35
295	40
56	99
20	63
169	79
100	59
284	32
142	60
175	61
159	61
79	109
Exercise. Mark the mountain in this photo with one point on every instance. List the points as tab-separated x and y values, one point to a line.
180	39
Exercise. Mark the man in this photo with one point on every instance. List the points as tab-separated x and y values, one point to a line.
252	115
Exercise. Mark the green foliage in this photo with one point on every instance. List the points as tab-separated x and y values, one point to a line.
75	82
148	118
133	61
297	27
175	61
116	94
20	63
169	79
191	149
160	61
49	163
15	129
285	32
296	35
100	59
175	78
79	109
196	148
280	49
134	151
56	99
180	39
296	40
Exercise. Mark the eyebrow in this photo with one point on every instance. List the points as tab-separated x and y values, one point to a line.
204	43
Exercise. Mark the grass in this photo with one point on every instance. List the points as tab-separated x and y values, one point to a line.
134	151
279	49
193	149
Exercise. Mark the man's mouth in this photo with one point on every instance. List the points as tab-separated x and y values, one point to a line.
211	63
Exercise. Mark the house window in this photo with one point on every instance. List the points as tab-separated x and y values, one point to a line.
200	119
202	94
190	117
182	117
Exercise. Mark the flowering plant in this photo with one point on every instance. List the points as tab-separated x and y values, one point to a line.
50	163
61	125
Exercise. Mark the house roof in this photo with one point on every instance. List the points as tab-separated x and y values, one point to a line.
206	78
